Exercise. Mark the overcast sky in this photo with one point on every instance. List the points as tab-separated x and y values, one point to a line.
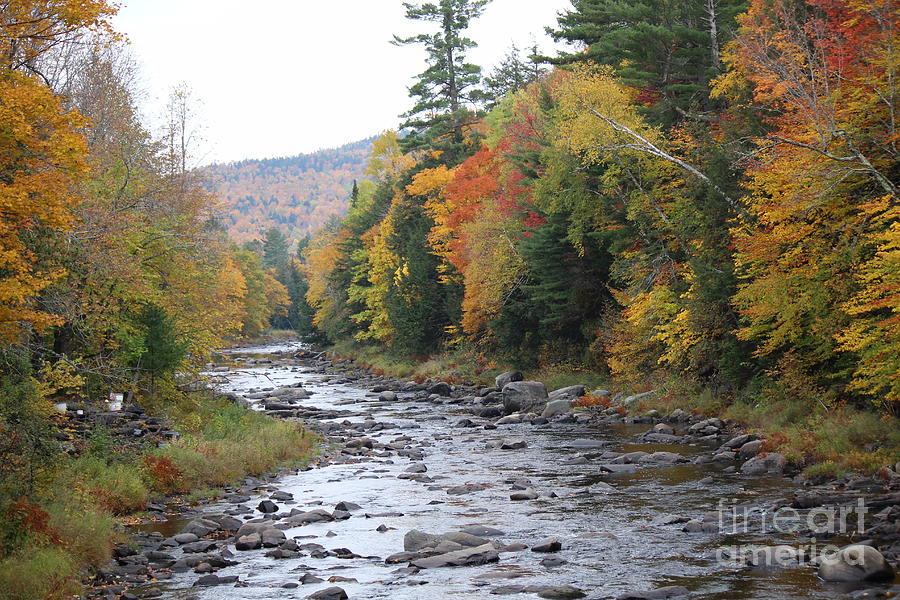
283	77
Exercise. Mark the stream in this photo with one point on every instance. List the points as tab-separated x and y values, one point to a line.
621	526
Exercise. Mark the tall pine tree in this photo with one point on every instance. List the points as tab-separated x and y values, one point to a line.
446	91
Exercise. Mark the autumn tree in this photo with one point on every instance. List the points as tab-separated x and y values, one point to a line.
668	50
512	74
823	185
43	155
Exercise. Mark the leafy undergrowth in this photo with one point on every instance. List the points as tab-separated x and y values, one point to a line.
825	437
70	525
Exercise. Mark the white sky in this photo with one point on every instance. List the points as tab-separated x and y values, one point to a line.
283	77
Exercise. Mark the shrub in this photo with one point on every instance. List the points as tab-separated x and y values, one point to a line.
164	476
38	572
118	487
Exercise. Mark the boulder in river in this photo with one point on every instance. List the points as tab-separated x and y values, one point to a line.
571	392
313	516
556	407
332	593
416	540
524	396
251	541
441	388
479	555
750	449
560	592
209	580
200	527
482	530
528	494
547	545
508	377
770	464
856	563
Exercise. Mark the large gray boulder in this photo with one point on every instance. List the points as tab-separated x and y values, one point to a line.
251	541
508	377
772	463
441	388
478	555
557	407
856	563
415	540
201	527
571	392
314	516
635	398
289	393
332	593
524	396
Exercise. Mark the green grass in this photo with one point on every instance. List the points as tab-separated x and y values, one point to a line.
71	524
38	571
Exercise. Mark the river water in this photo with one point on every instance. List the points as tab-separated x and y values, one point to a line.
614	541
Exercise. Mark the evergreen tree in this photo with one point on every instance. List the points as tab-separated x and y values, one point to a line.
415	306
512	74
275	250
162	352
669	50
445	91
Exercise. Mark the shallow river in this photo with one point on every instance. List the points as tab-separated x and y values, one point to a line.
613	541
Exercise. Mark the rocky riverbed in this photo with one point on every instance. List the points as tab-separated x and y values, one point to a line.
438	491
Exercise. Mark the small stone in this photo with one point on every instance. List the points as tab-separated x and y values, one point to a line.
528	494
547	545
332	593
561	592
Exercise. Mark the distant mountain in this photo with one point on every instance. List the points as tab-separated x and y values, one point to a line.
297	194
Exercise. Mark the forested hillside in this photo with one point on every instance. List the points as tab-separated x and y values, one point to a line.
296	194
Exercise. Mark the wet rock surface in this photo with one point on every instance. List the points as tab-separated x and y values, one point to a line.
413	498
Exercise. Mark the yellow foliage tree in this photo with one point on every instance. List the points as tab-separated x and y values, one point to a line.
41	158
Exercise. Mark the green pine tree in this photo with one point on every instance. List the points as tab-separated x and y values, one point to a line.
275	250
446	91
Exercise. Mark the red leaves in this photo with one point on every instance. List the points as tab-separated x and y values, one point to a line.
165	476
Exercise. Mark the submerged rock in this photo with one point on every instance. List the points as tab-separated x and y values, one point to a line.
670	591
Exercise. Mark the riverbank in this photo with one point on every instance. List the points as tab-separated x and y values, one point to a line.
825	442
590	502
135	464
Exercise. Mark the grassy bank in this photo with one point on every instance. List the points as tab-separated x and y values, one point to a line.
827	438
71	524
